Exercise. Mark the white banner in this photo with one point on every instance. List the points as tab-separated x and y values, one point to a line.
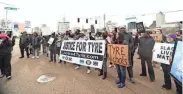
162	52
87	53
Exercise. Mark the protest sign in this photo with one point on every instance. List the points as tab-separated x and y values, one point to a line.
157	37
140	27
177	64
87	53
118	54
162	52
50	41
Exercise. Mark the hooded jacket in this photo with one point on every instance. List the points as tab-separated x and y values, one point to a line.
6	47
146	45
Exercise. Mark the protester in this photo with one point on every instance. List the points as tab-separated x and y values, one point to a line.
36	42
121	70
171	38
146	45
6	48
179	34
178	86
83	37
103	71
30	46
23	43
58	45
129	39
53	49
113	40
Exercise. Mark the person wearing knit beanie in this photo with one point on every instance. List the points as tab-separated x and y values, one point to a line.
171	37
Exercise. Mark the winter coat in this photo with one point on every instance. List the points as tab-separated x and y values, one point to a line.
146	45
36	41
24	41
6	47
53	45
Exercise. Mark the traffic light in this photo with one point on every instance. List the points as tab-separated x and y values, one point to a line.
95	21
86	20
78	20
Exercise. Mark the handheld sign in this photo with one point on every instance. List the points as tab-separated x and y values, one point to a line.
140	27
176	68
118	54
50	41
162	52
92	29
87	53
157	37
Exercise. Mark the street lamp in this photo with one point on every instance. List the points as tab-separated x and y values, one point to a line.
9	8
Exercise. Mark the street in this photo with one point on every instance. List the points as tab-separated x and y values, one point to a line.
70	81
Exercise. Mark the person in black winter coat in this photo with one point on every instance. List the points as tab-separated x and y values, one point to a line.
53	49
24	43
5	56
146	45
103	71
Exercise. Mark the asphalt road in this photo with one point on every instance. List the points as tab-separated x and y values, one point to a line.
70	81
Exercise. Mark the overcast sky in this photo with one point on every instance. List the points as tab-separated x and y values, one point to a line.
51	11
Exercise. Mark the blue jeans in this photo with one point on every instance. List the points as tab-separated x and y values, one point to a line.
121	70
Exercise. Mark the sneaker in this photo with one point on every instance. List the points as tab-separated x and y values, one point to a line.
110	66
121	85
132	80
33	57
9	77
37	57
88	71
77	67
1	76
51	61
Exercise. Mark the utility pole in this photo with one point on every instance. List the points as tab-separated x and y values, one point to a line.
104	20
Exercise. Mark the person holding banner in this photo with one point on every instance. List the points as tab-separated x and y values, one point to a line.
171	38
129	39
146	45
177	84
103	71
121	70
83	37
113	39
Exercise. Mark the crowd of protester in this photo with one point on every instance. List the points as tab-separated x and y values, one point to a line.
32	43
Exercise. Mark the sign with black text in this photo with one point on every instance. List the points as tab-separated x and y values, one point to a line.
162	52
140	27
118	54
87	53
